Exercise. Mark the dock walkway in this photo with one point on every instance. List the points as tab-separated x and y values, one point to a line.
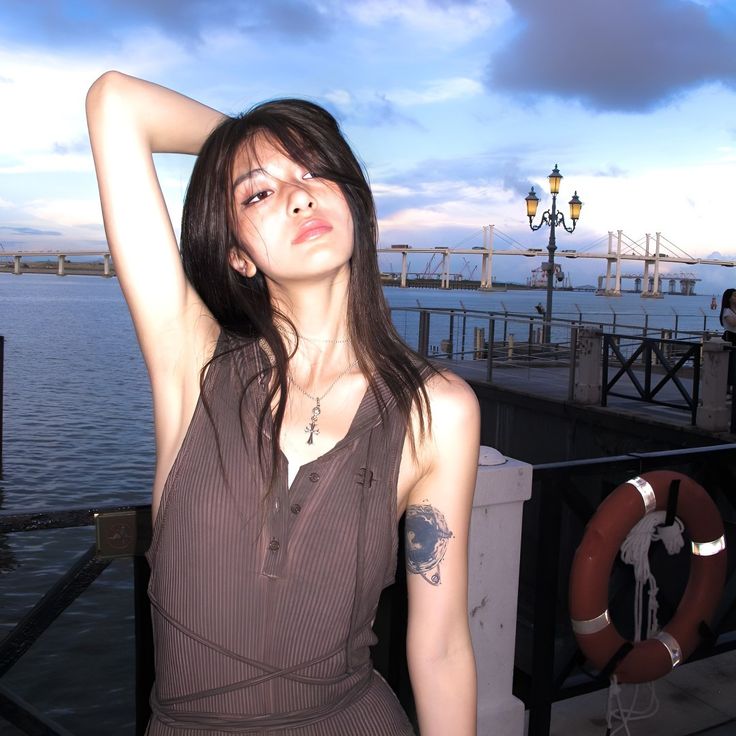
698	699
553	383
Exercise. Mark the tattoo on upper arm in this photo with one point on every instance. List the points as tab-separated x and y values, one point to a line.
427	535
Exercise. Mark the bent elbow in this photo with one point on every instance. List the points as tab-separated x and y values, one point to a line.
102	89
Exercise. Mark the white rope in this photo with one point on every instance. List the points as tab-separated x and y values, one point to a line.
635	552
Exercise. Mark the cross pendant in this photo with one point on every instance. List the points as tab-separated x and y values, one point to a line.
311	428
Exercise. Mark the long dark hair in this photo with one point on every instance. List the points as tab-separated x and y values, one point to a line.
725	304
310	136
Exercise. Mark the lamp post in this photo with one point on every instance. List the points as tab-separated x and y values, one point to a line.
554	219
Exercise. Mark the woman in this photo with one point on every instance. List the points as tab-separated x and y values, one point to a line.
292	429
727	319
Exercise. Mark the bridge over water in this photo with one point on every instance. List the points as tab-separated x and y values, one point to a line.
61	256
617	249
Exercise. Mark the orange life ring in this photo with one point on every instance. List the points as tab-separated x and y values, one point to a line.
597	637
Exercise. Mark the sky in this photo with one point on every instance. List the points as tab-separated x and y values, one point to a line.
455	107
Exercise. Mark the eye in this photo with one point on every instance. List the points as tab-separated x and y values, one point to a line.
257	197
309	175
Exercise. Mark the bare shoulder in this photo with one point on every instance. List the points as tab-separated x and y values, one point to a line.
451	426
447	451
452	403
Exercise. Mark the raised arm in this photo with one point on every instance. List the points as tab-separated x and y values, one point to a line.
439	647
129	120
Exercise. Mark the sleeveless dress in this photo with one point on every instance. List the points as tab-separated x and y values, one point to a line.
262	613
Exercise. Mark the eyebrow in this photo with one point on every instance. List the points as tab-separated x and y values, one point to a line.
248	175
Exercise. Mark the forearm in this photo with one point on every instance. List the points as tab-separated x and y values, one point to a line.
445	692
130	120
159	118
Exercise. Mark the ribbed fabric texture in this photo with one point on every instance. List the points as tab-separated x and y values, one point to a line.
262	612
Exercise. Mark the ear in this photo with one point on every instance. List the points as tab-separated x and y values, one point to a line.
241	263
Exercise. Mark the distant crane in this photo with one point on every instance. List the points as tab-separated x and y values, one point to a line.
466	272
432	269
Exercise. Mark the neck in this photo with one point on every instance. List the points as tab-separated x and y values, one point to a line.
318	311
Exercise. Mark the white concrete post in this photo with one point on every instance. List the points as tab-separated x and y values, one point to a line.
713	414
106	261
61	264
495	545
587	386
655	285
489	269
16	265
403	269
617	285
608	261
645	286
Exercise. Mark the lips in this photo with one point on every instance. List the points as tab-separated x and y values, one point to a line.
311	230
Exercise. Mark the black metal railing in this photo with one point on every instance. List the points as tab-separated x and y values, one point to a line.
549	666
453	331
503	339
670	357
121	531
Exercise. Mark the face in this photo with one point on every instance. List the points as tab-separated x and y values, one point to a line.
732	301
291	225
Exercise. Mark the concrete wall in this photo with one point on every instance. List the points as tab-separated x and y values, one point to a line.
538	430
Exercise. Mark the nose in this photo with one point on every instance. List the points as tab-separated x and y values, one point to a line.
300	200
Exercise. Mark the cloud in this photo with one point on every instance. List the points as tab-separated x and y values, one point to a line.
435	178
43	110
371	111
373	108
66	212
43	123
296	19
72	147
440	90
612	170
627	55
381	190
67	24
445	22
28	230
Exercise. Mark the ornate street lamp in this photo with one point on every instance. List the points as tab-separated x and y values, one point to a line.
553	219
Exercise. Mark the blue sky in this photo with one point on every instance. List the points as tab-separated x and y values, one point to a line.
455	107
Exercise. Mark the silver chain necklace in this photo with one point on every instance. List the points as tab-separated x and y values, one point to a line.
339	341
311	428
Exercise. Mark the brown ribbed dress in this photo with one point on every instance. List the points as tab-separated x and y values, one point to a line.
262	622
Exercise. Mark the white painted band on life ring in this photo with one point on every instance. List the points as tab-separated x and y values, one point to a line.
647	493
591	625
672	646
707	549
